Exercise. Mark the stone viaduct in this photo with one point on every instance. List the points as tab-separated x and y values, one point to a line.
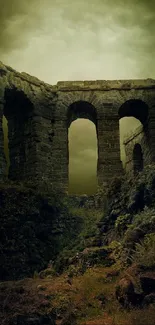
39	116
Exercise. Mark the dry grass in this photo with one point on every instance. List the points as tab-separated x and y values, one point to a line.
79	295
144	316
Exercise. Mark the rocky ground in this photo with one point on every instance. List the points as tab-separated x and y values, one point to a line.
66	265
96	297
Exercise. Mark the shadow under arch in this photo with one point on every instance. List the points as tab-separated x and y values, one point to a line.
81	109
16	103
17	111
86	112
134	108
137	159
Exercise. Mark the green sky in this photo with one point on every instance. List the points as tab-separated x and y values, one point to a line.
80	40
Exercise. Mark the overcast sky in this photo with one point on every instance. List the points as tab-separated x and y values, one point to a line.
79	40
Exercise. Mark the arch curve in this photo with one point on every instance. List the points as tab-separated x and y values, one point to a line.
16	103
81	109
136	108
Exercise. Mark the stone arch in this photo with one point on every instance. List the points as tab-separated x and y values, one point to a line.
81	109
17	110
67	99
136	108
138	163
84	110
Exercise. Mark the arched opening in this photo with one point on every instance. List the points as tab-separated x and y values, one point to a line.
81	109
137	159
127	127
82	157
6	144
83	151
133	118
17	110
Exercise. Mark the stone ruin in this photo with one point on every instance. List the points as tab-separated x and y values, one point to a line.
39	116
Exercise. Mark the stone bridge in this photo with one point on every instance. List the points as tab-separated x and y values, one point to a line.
39	116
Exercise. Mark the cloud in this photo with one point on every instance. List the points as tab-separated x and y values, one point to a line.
17	19
92	39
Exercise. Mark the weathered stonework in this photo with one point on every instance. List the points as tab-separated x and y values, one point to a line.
39	116
137	142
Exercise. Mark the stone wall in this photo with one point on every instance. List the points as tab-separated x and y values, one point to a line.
137	137
27	103
2	155
39	116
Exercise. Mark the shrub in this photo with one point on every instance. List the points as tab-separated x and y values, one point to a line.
119	253
115	186
132	236
121	222
144	253
145	218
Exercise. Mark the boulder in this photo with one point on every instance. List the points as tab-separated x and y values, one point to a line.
125	291
136	287
149	299
126	295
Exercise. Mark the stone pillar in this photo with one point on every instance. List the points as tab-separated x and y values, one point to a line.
47	152
15	138
3	163
42	139
151	131
109	164
59	156
30	140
